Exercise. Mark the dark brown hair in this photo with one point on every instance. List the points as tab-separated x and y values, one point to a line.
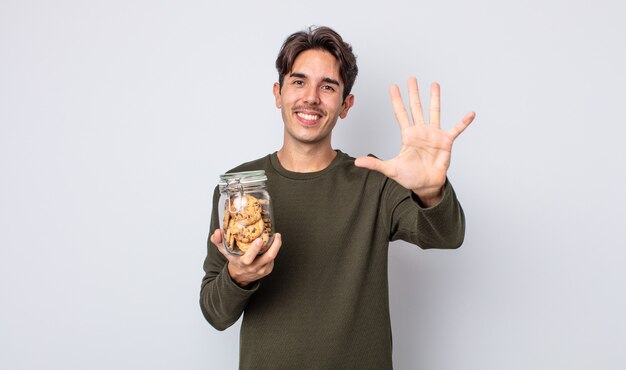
322	38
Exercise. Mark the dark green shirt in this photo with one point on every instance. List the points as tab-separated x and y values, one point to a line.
326	303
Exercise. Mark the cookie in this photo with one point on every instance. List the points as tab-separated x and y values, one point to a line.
243	246
247	233
245	220
245	210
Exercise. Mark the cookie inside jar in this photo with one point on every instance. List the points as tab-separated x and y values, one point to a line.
245	212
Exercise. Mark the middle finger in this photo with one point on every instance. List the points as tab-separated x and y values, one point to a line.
415	103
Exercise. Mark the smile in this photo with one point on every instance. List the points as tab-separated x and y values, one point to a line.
308	117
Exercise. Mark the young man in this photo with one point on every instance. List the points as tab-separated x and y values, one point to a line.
322	302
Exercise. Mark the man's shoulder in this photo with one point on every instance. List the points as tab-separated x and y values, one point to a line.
345	166
346	161
257	164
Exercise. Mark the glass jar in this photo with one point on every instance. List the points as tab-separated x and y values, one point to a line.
245	211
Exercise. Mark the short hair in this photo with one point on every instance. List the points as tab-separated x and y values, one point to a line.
320	38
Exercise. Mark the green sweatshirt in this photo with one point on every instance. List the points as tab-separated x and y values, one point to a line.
326	303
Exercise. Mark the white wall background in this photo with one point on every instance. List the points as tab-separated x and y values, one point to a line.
117	117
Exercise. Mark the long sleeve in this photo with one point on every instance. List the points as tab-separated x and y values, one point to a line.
222	301
441	226
326	302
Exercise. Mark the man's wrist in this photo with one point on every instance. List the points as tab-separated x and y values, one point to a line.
429	198
236	278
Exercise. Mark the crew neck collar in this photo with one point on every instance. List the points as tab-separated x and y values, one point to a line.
304	175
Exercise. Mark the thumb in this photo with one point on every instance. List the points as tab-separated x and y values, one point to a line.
216	238
372	163
253	251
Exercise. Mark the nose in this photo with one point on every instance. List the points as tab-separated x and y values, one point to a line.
312	95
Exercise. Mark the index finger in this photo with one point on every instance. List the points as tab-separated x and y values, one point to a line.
216	237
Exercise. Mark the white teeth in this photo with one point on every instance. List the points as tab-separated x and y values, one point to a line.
309	117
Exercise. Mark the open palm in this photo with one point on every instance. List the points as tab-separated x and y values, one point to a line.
424	157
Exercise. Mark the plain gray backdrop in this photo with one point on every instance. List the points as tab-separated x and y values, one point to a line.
117	117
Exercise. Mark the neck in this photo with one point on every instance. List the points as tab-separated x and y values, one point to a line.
306	159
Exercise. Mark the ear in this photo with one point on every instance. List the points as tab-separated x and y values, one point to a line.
347	104
276	91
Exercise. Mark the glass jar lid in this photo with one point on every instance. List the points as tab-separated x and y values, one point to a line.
242	178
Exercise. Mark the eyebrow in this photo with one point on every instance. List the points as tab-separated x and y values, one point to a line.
325	79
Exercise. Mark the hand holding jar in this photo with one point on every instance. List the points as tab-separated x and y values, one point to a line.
246	226
250	266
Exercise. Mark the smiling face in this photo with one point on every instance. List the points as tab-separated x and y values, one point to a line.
311	100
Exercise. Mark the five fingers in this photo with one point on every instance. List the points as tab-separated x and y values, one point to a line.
417	114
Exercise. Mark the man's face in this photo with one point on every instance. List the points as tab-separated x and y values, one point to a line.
311	98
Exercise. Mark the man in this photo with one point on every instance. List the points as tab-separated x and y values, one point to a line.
323	301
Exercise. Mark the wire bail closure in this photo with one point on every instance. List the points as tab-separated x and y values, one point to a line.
236	184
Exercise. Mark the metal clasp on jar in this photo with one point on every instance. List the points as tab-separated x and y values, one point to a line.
235	184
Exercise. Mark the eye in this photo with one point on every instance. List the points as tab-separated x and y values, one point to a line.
329	88
298	82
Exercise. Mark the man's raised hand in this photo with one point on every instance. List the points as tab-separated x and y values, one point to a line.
424	157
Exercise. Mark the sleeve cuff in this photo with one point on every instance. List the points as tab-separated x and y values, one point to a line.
231	286
445	199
